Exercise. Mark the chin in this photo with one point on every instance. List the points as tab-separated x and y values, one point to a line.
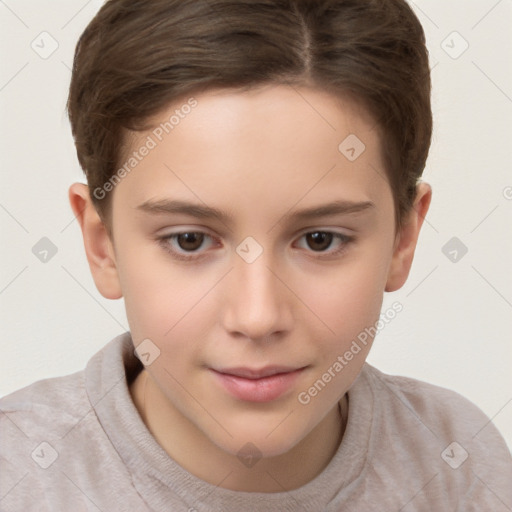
262	442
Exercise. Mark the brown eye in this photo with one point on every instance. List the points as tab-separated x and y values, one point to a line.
188	246
190	241
325	244
319	240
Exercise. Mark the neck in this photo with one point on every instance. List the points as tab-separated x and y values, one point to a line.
190	448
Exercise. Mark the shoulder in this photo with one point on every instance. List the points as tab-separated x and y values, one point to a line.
439	434
56	402
54	444
441	408
51	407
60	401
33	422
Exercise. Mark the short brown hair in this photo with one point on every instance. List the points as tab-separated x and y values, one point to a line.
136	57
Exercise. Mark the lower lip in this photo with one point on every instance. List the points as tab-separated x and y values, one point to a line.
265	389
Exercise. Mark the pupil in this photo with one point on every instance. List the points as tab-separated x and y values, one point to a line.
320	237
190	241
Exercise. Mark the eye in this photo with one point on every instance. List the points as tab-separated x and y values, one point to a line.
192	245
189	241
320	241
186	244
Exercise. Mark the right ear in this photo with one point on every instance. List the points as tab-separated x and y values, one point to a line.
98	245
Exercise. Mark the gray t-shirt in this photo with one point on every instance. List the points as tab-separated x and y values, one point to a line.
77	443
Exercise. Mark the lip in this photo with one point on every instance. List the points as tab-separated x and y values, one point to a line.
257	385
249	373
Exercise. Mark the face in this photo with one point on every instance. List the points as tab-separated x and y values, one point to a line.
252	250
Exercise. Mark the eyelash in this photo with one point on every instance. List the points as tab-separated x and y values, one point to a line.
345	240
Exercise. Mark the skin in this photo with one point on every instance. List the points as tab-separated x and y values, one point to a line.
257	155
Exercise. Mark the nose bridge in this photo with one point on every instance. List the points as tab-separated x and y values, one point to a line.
257	304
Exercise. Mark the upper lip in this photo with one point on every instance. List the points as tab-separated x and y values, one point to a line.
251	373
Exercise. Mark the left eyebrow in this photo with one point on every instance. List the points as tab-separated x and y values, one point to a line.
341	207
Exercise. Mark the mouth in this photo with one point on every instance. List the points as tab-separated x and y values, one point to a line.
257	385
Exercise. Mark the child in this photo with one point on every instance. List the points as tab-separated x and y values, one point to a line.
254	188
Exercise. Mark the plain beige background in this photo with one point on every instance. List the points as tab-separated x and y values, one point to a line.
455	326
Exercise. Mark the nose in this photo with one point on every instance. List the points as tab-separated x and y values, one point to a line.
257	304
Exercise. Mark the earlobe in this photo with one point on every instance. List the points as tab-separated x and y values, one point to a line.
407	239
97	243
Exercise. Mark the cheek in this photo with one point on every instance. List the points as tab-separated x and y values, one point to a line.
348	298
156	294
349	302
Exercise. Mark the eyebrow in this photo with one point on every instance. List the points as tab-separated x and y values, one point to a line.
200	211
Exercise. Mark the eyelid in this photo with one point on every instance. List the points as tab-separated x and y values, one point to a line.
335	230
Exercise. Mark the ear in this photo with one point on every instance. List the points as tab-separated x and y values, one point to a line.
407	239
98	245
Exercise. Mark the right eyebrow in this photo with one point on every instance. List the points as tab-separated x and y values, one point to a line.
183	207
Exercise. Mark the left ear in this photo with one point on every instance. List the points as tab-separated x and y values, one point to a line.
407	239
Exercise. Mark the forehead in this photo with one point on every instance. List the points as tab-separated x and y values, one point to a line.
274	144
